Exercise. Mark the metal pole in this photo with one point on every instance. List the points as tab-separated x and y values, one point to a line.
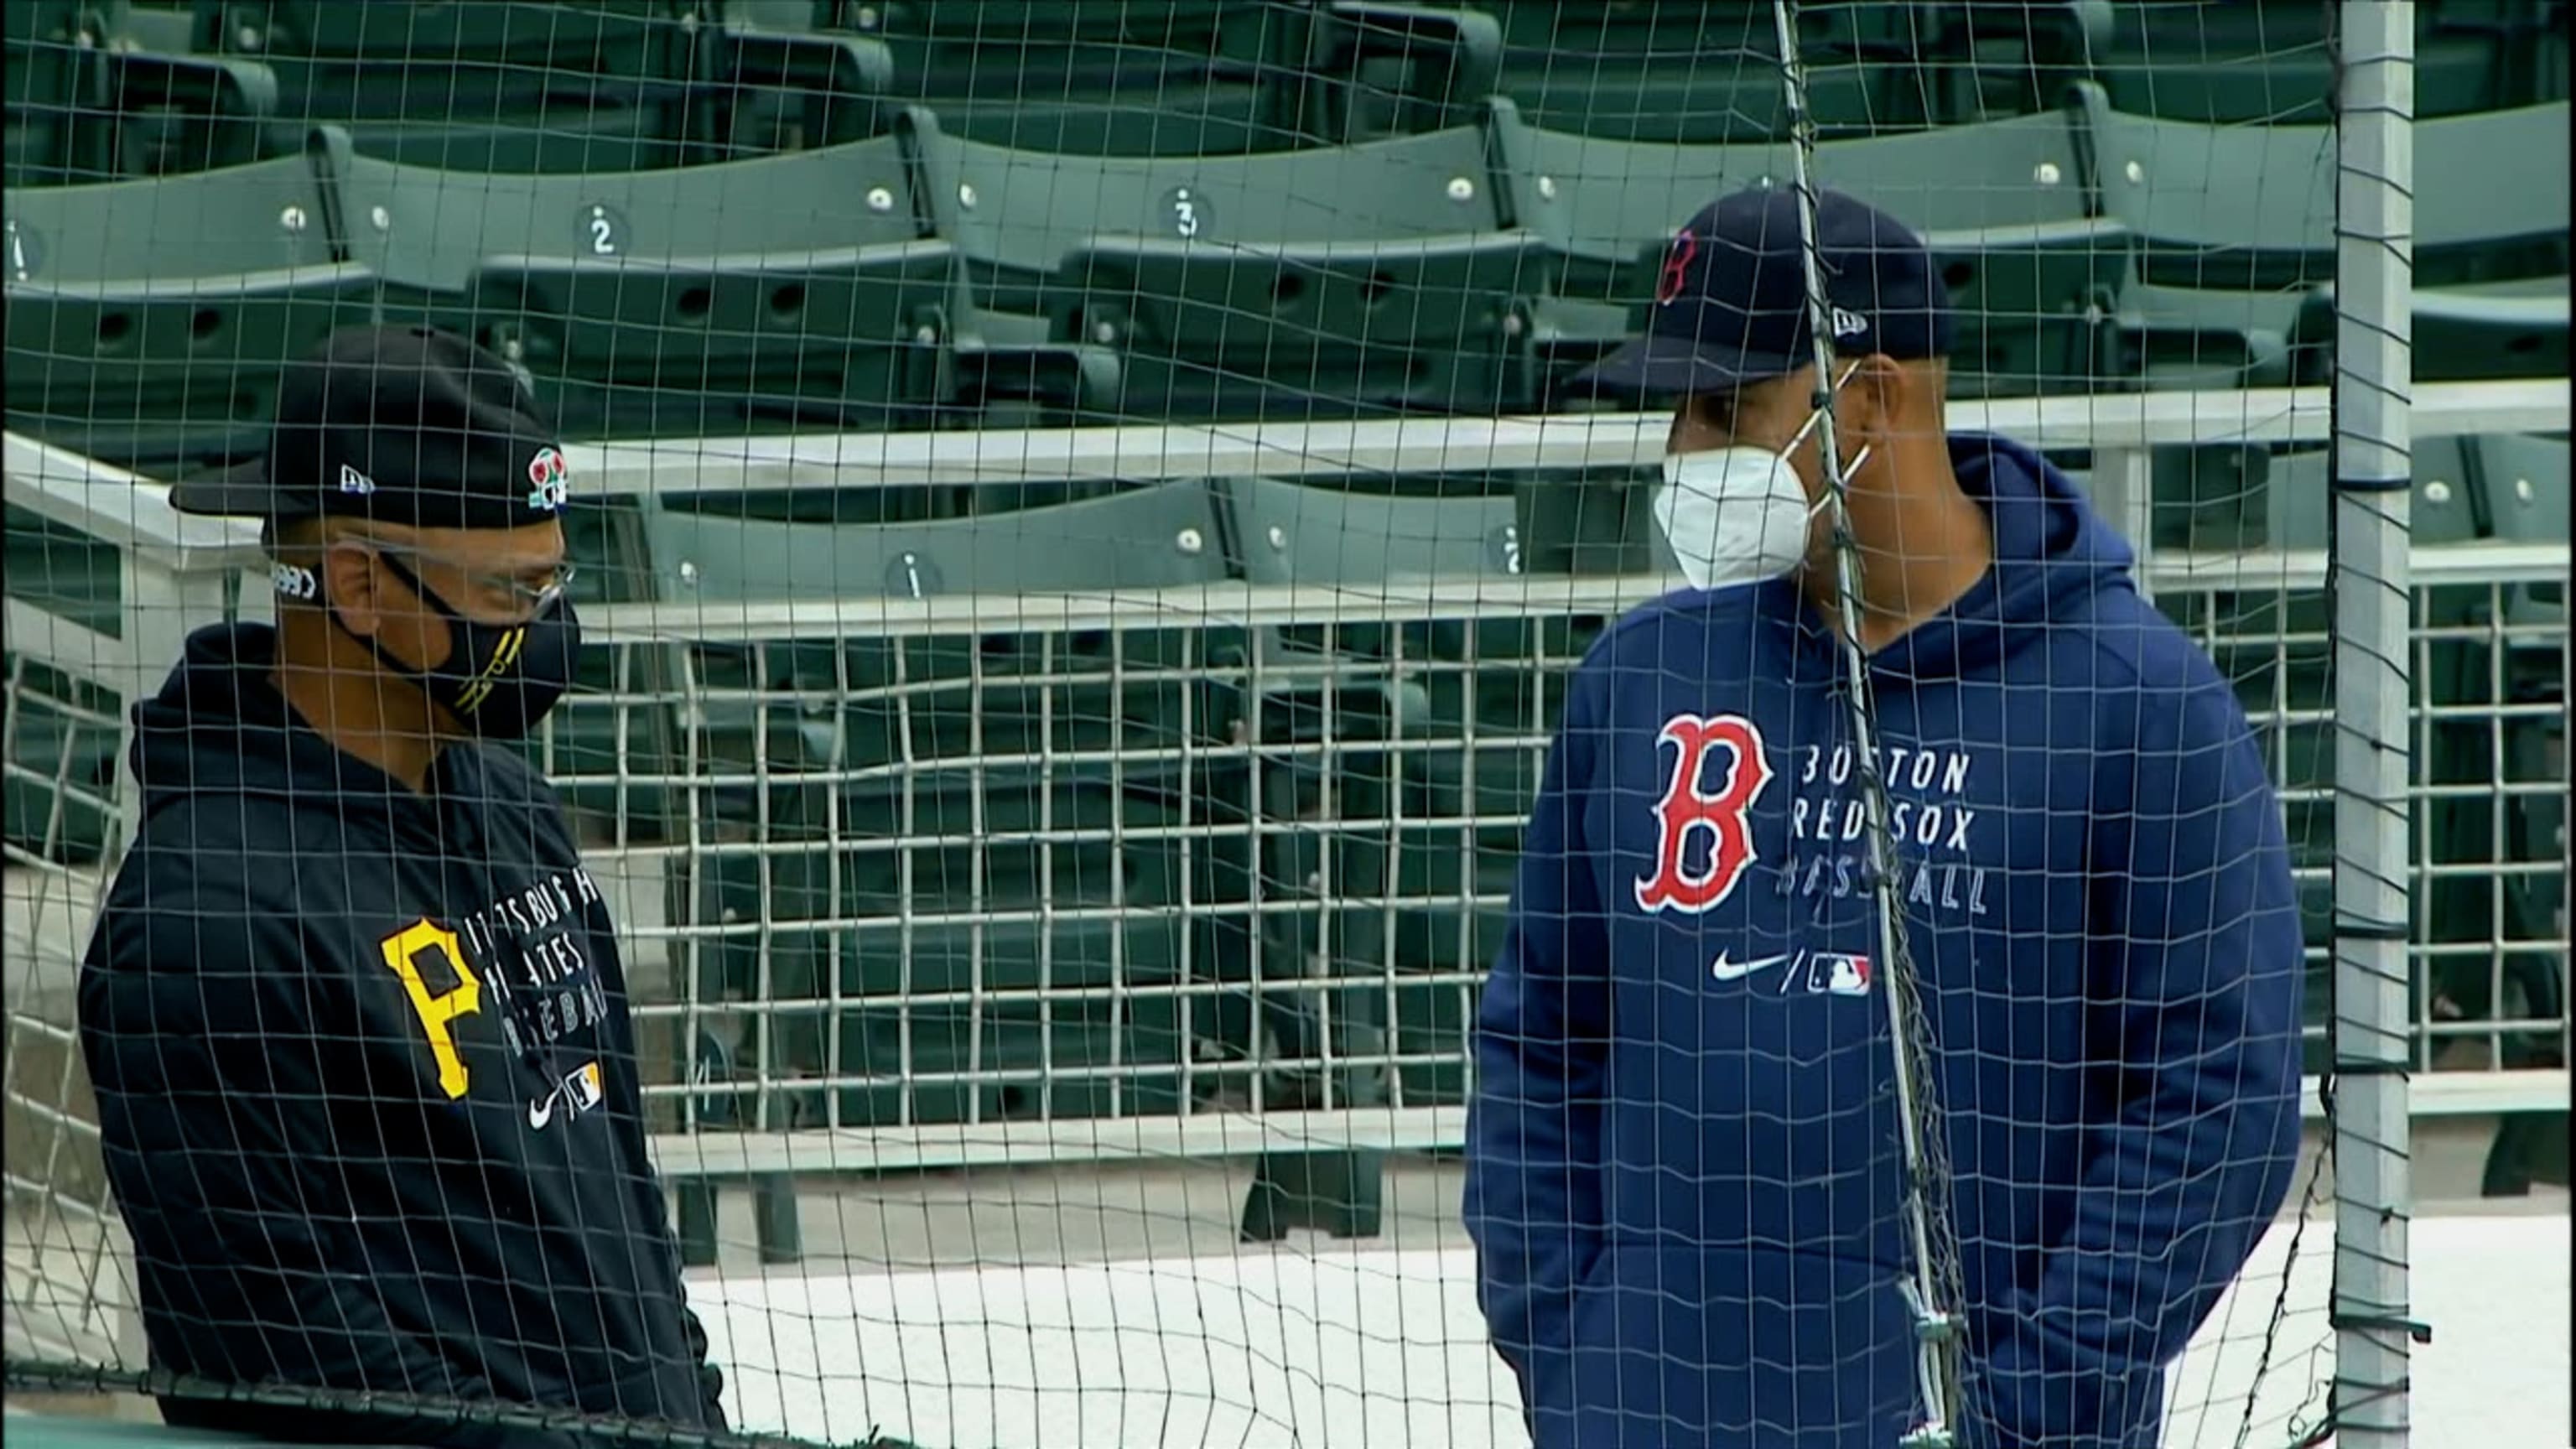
1931	1282
2372	597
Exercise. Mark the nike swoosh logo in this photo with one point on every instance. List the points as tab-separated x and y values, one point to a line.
1725	970
541	1113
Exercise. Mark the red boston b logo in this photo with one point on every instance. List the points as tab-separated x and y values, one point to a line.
1689	806
1676	268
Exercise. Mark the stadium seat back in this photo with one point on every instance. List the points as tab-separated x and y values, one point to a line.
506	85
1606	201
2239	208
1077	852
1025	212
265	217
1372	277
53	71
2523	487
2270	62
100	89
2298	491
147	319
730	297
1704	73
1143	538
2501	331
1299	533
1171	79
572	34
2253	207
949	695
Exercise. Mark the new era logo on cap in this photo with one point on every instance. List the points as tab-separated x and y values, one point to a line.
1732	304
353	481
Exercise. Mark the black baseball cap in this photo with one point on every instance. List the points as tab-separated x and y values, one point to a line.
1731	302
408	425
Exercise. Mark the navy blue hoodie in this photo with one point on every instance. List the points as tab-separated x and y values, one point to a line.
1683	1167
367	1086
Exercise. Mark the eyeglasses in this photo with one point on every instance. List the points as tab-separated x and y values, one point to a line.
530	590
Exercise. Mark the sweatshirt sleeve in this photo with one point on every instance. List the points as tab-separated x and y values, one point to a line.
198	1034
2195	969
1533	1193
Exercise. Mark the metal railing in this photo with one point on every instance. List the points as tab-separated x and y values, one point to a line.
1235	896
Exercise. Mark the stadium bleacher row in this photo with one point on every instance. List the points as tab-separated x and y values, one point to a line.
1019	871
1400	240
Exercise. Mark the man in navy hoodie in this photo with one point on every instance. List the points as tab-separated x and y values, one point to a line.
1684	1180
354	1008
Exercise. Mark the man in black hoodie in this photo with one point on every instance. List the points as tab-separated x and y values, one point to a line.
354	1010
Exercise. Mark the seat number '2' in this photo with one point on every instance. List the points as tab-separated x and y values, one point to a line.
405	953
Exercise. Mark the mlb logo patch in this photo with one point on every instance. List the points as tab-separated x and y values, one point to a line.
550	480
583	1087
1832	973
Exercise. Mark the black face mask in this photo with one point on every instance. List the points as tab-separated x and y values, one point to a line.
499	679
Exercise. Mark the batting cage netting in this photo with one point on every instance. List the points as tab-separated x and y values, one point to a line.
1005	724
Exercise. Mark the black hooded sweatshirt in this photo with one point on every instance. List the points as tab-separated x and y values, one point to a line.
368	1086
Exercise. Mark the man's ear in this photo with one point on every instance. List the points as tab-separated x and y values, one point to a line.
1872	400
350	585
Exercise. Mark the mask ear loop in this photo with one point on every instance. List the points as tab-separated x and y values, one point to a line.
1798	439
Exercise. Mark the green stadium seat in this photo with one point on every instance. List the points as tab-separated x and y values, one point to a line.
2523	482
2499	682
1295	532
781	292
2523	490
2002	204
94	94
163	25
1372	278
1709	73
1016	696
757	546
1013	889
2298	493
1171	78
952	744
2233	225
1032	890
2476	333
2524	485
1424	811
147	319
498	85
2270	62
55	73
1015	898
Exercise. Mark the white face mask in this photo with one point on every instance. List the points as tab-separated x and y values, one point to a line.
1738	515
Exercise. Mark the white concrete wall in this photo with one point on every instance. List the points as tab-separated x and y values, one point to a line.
1266	1347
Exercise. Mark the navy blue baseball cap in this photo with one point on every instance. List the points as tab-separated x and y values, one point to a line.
1731	302
409	425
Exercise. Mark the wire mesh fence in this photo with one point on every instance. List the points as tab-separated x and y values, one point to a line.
1088	520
